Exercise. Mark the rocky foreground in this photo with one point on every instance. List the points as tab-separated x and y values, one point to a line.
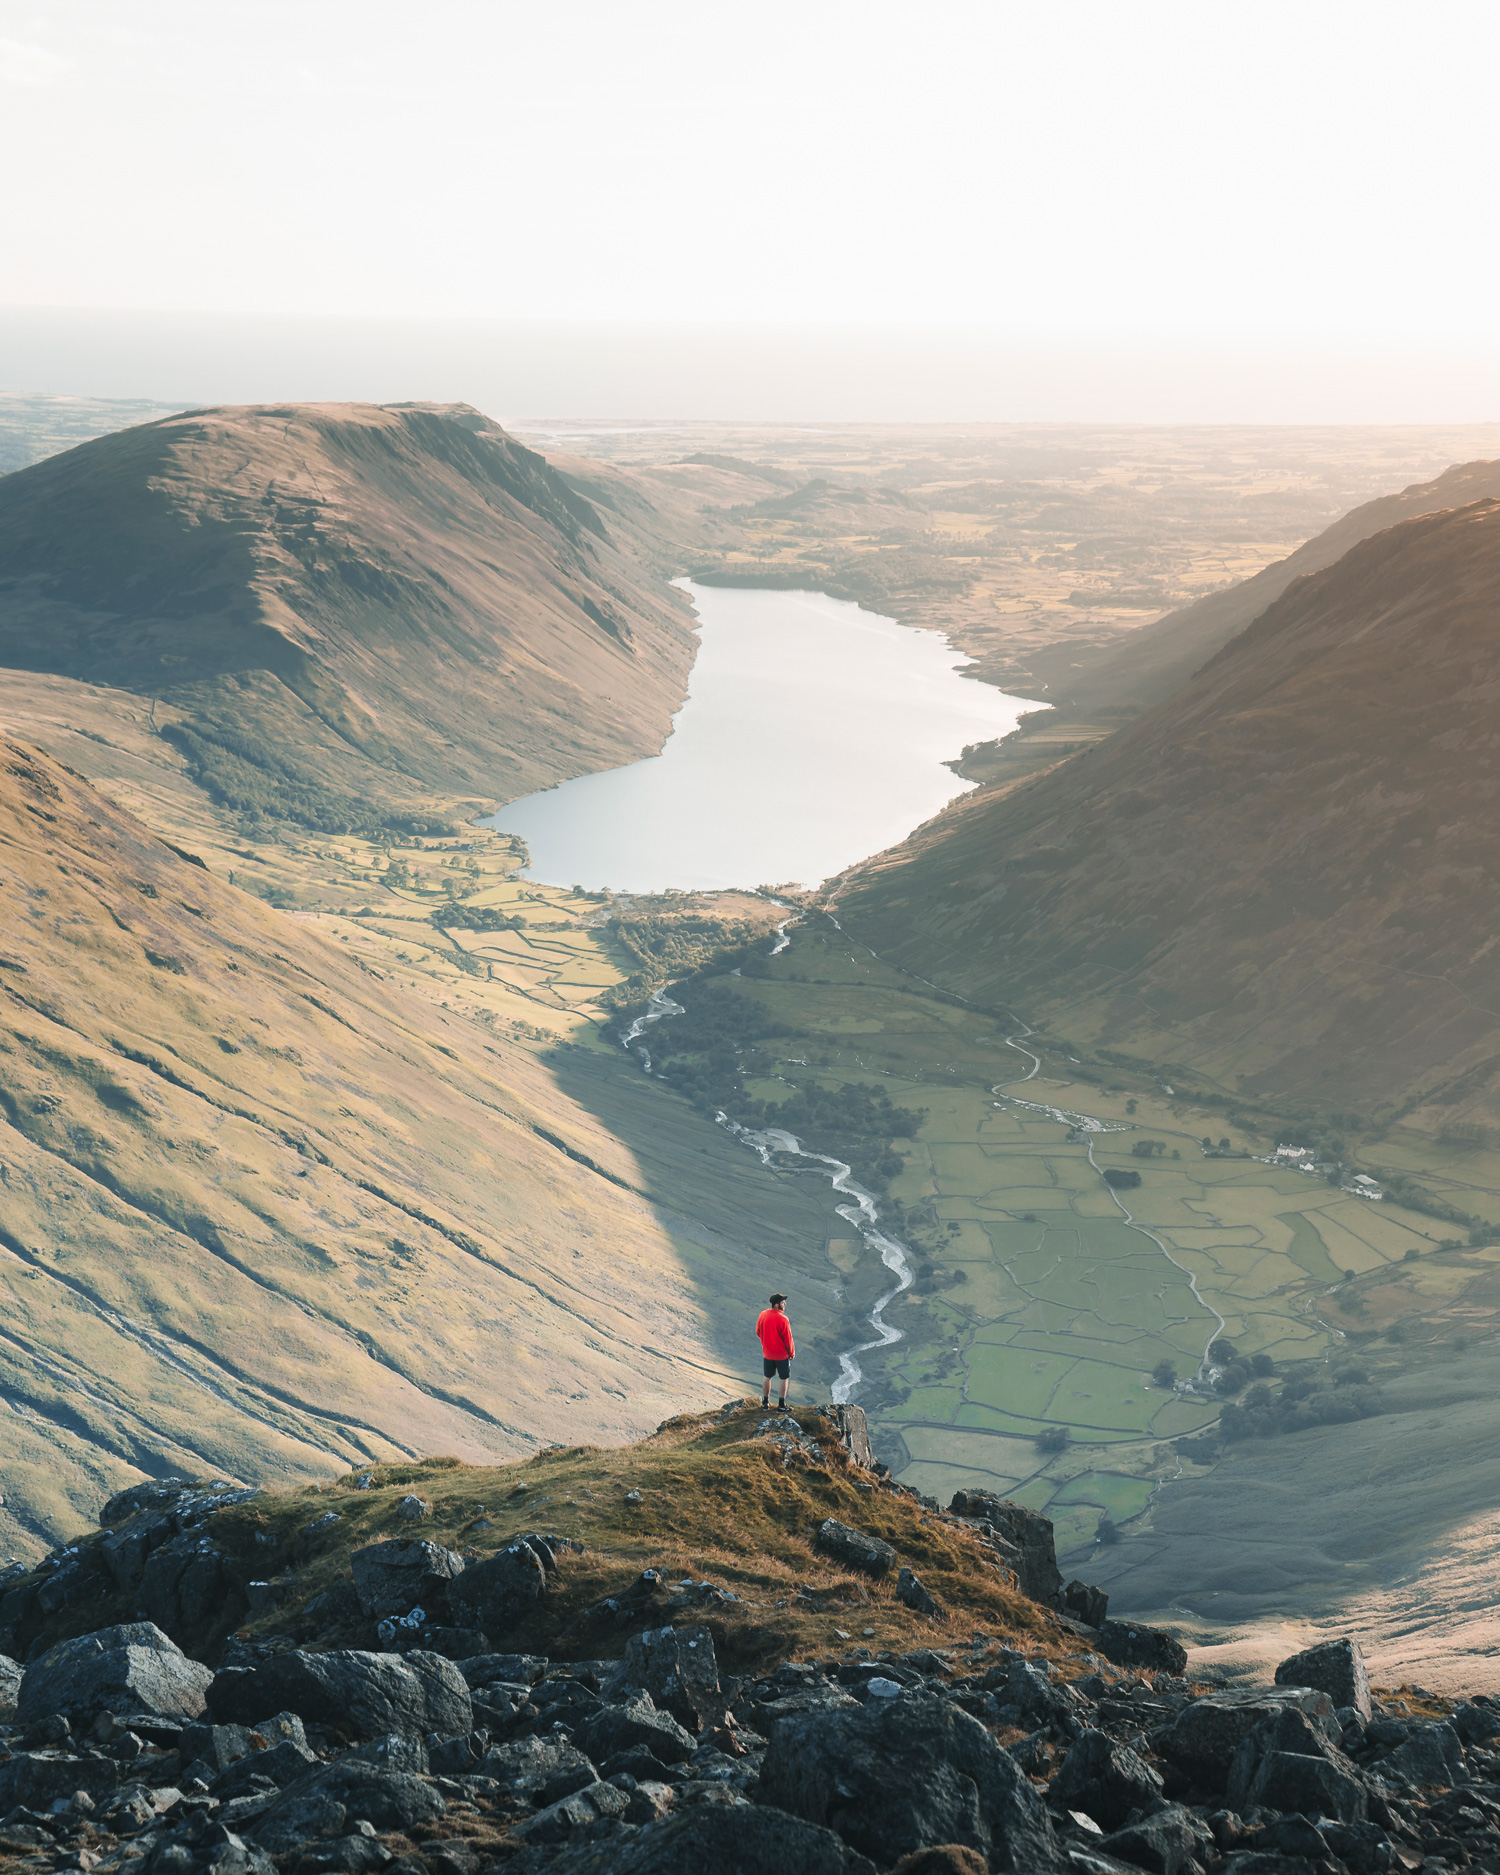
1074	1744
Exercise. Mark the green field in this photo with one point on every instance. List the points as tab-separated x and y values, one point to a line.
1039	1302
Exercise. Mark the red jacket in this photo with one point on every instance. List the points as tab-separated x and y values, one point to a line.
775	1333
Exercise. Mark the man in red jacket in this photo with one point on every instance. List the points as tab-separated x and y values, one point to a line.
779	1349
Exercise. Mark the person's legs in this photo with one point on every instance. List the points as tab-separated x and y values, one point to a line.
767	1368
786	1374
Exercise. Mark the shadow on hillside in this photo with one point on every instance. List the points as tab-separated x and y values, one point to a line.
740	1229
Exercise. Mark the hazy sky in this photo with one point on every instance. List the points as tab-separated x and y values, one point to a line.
1314	171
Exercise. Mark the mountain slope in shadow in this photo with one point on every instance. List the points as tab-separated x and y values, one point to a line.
1285	874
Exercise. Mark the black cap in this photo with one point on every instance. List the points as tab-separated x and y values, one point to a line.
776	1299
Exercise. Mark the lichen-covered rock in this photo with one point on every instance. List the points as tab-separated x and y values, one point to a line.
1333	1667
899	1775
854	1548
131	1668
10	1684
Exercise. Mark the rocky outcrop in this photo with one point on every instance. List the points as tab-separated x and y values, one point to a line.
658	1761
1023	1537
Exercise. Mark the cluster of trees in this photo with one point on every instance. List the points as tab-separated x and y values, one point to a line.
238	772
1309	1400
1121	1180
666	947
1233	1371
457	917
1152	1149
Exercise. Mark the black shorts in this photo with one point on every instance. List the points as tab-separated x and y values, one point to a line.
769	1367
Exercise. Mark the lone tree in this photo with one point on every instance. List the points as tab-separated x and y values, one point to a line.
1108	1531
1164	1374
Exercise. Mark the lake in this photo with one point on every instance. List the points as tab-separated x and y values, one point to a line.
814	734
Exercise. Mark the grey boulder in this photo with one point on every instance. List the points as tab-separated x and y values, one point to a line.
499	1591
528	1765
131	1668
636	1721
1205	1736
37	1779
1432	1755
358	1694
320	1801
10	1684
910	1591
580	1809
1106	1780
1289	1763
895	1776
678	1668
1024	1538
737	1840
394	1578
855	1549
1167	1840
182	1586
1334	1667
1129	1644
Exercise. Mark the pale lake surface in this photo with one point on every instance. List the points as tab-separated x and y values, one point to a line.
814	734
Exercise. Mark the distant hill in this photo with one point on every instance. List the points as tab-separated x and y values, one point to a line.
263	1214
337	601
1286	874
1154	660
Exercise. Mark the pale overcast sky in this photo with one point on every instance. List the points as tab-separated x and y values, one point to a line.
1321	171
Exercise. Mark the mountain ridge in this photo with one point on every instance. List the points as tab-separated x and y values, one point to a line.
385	597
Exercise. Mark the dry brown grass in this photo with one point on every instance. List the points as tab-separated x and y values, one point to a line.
717	1505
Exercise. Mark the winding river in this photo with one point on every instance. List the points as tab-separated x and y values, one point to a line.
774	1143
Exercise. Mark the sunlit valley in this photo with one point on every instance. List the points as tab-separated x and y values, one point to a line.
749	1043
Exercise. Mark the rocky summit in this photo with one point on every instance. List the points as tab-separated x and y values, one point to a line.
408	1706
